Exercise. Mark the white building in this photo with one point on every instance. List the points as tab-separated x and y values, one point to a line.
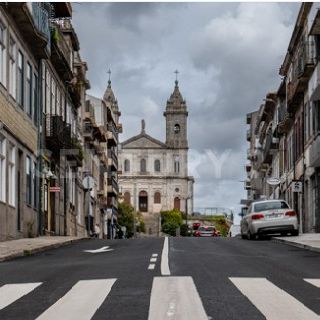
154	175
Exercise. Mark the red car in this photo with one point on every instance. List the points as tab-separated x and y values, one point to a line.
206	231
195	225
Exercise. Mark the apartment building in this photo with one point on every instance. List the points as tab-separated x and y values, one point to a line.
287	129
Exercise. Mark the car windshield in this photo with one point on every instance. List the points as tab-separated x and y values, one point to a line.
270	205
206	228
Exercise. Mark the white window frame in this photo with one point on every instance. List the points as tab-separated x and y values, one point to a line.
12	68
29	90
20	81
12	176
3	54
3	172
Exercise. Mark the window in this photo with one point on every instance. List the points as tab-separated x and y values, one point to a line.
53	97
126	165
176	165
127	197
143	165
157	165
3	60
47	109
12	176
35	99
157	197
12	68
29	91
34	183
20	79
2	169
28	181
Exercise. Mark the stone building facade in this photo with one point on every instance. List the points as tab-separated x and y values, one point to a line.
154	175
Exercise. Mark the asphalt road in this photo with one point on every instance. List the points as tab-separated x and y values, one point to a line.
216	278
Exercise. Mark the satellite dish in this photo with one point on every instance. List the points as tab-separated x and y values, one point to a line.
88	182
273	181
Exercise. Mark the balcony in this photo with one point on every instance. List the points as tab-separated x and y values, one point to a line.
112	160
112	134
89	112
269	149
314	84
100	147
61	54
248	167
249	135
303	66
56	133
88	132
32	20
249	118
74	152
113	188
285	123
247	185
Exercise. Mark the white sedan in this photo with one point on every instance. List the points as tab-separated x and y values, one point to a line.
269	217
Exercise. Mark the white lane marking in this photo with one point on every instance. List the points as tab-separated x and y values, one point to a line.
154	255
273	302
165	271
81	302
103	249
315	282
175	298
9	293
151	266
153	260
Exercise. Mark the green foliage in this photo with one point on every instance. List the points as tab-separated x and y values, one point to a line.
126	218
170	228
173	216
170	221
184	231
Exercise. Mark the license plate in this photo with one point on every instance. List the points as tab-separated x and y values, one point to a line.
274	215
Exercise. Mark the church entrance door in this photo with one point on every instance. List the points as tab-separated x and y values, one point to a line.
177	203
143	201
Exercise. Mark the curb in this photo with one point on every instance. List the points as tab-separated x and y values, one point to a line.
296	244
31	252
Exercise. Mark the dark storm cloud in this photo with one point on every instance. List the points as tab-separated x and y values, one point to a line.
228	55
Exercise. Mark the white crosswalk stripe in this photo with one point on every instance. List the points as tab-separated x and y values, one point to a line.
315	282
9	293
175	298
273	302
81	302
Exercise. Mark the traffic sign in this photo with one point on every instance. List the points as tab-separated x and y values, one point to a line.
273	181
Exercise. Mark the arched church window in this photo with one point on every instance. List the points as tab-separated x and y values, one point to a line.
143	165
176	128
143	201
127	197
126	165
157	165
176	165
157	197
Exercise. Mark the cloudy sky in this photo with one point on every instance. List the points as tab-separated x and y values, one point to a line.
228	56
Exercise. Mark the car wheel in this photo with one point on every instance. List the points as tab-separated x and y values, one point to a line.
295	233
251	236
243	236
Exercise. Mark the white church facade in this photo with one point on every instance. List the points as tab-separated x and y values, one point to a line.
154	175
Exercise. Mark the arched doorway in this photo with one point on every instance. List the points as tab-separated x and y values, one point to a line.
127	197
143	201
176	204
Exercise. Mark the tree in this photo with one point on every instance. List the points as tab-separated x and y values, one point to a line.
126	218
170	221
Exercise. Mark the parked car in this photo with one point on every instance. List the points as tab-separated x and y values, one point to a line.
234	230
269	217
195	225
206	231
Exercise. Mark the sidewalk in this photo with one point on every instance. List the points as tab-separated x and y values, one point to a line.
309	241
29	246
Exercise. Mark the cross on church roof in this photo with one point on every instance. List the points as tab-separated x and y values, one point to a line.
109	72
176	72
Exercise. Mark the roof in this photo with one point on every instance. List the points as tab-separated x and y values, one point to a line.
143	138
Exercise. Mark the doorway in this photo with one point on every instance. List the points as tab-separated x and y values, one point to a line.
143	201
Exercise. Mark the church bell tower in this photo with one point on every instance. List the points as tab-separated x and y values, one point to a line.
176	120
